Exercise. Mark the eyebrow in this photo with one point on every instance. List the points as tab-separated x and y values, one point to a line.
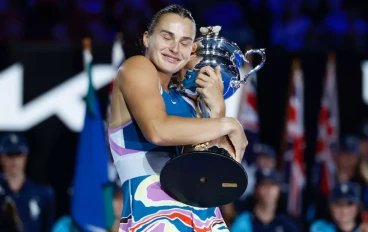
172	34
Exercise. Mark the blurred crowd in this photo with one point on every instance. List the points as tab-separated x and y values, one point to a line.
263	206
29	206
290	24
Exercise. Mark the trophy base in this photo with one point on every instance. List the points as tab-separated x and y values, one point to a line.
204	178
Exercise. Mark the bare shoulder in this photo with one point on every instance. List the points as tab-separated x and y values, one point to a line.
137	66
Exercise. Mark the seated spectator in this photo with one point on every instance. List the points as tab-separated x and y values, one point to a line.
265	216
66	223
34	203
265	159
346	158
344	203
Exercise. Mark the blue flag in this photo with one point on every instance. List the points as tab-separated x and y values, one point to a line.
90	207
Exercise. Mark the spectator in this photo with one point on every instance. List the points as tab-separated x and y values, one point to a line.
344	203
266	159
66	223
265	215
347	159
34	203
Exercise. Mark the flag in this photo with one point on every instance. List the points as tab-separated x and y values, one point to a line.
327	129
248	114
91	206
295	140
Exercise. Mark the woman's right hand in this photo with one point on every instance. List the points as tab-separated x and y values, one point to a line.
238	139
234	142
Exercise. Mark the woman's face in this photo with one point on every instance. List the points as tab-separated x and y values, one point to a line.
170	44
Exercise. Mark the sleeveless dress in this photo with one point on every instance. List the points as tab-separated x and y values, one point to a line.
138	162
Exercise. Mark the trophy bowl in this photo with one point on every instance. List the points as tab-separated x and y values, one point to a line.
204	176
212	50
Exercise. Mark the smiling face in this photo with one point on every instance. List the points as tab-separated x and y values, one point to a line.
170	44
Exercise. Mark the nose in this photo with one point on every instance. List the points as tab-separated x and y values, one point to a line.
174	48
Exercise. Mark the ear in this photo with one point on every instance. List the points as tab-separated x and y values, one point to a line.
145	39
194	47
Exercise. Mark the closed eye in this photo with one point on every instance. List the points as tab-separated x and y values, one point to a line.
185	44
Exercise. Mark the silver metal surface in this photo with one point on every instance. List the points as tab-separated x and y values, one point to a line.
214	50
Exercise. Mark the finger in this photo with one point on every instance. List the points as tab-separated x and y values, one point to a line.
236	149
205	78
201	83
242	151
239	155
242	154
209	71
212	76
218	75
199	90
218	72
232	155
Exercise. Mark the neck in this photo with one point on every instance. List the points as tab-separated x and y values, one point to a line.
15	181
347	227
165	80
265	212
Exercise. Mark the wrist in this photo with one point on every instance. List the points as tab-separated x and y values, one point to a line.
228	125
218	112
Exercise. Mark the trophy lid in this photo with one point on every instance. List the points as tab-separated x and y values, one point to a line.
210	43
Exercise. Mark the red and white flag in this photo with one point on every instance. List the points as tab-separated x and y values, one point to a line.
248	110
328	128
294	155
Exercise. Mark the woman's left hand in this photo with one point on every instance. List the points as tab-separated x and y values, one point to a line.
210	86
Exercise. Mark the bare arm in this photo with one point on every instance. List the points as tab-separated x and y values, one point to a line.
138	82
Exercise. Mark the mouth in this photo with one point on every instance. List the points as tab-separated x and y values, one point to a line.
171	59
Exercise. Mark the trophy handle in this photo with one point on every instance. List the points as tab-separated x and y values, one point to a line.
236	83
261	52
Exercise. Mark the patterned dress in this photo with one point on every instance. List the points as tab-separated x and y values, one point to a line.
146	206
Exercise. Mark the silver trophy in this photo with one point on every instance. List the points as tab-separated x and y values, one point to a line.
206	176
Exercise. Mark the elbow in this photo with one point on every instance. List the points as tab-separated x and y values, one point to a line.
155	134
156	139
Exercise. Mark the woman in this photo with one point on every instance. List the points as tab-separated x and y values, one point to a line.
150	121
